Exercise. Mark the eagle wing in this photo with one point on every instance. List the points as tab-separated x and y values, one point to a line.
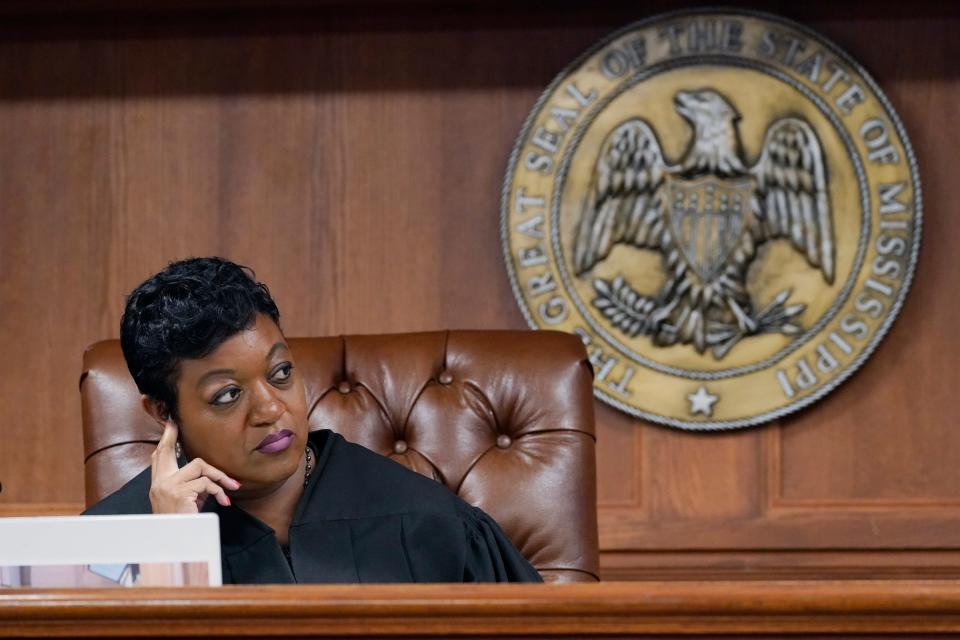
625	202
791	199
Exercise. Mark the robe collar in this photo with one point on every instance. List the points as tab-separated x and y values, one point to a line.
321	550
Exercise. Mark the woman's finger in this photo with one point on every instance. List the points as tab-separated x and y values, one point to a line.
205	486
164	458
198	467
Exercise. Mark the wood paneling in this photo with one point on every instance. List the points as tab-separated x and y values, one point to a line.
353	155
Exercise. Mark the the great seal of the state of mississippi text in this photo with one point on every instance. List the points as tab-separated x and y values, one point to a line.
724	206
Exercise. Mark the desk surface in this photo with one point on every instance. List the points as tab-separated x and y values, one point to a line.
771	608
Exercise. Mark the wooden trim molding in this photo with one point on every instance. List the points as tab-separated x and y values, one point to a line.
782	564
913	607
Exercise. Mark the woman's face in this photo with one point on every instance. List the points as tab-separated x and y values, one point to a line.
243	408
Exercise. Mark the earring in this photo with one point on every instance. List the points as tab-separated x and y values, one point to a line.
178	450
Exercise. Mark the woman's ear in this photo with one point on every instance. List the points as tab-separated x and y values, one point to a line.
155	409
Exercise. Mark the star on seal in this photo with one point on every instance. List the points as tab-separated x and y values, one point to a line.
702	401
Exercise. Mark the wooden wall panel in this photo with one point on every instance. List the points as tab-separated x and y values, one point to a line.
354	156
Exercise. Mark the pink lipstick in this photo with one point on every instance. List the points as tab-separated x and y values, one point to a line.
276	442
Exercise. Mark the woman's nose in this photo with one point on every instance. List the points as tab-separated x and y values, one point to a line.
267	406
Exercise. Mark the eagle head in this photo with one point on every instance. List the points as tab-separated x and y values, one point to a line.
716	144
704	106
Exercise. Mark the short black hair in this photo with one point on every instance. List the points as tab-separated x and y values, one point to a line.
186	311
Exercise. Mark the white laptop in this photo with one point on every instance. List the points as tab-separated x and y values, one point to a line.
110	551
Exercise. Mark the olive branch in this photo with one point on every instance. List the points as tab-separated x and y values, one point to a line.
628	310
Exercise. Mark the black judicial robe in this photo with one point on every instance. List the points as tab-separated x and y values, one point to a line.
362	518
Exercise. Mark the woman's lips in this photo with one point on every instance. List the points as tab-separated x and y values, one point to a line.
276	442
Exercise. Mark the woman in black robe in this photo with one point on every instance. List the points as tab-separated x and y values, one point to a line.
203	343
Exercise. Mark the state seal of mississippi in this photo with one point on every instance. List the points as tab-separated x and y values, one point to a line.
725	208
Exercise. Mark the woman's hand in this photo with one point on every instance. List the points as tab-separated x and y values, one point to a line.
176	490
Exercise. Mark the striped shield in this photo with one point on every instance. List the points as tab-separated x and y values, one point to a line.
706	216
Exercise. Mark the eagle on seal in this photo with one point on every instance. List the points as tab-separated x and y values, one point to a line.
707	215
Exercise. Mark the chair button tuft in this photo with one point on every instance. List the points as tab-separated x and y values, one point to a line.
504	441
400	446
446	377
344	387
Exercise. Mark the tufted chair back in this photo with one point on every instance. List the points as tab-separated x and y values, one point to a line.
502	418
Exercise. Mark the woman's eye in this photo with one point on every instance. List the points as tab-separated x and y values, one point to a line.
283	372
226	396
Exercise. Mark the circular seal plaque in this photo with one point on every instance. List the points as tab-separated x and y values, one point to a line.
723	206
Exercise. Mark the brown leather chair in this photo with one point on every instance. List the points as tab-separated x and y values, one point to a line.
502	418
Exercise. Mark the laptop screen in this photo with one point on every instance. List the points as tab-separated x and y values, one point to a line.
110	551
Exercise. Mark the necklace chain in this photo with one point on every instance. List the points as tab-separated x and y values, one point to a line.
309	468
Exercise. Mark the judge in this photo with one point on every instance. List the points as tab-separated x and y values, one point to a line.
203	343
